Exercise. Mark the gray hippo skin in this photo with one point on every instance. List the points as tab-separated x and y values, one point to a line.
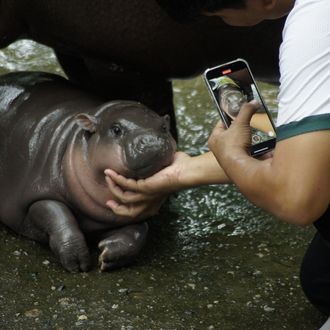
56	142
130	49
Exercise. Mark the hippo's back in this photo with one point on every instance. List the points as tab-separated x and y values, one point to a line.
36	121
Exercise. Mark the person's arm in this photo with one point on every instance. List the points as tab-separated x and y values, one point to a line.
142	198
294	185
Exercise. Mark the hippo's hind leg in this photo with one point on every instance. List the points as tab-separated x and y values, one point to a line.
121	246
52	222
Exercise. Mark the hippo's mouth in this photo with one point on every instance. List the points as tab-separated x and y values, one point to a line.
146	170
143	171
138	170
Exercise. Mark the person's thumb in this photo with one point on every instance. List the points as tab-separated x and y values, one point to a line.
220	126
247	111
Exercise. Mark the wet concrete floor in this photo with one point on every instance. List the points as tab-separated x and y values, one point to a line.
212	261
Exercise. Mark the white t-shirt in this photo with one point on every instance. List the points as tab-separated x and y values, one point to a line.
304	98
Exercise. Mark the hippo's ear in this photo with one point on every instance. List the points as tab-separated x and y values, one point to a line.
87	122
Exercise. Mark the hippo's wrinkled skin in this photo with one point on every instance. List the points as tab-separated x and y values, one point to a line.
129	49
56	142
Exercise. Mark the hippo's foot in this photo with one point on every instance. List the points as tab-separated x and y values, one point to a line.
55	221
72	251
121	246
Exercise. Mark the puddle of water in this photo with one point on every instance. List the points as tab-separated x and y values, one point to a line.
213	260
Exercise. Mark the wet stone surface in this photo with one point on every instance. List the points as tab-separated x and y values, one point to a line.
212	261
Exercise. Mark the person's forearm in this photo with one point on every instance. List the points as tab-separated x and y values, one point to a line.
255	180
248	174
294	184
266	185
203	170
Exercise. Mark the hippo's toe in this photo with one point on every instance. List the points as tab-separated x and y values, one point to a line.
115	255
122	245
73	254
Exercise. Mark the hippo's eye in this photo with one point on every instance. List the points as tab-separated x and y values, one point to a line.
116	130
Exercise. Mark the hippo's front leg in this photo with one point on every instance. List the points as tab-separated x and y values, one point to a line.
52	221
122	245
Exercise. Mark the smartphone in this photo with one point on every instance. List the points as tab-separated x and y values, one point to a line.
232	84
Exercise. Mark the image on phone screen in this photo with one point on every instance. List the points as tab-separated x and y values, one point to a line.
232	85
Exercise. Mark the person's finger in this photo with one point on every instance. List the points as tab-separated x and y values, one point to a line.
133	211
129	210
220	125
267	155
124	183
246	112
217	130
124	196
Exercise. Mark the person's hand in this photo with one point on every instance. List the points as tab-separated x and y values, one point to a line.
237	138
140	199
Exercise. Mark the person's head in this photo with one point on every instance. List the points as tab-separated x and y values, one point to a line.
233	12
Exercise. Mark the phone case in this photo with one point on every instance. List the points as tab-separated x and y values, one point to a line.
231	85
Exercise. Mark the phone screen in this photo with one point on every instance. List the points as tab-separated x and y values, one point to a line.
231	85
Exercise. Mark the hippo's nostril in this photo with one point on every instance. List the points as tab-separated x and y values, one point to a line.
148	154
147	144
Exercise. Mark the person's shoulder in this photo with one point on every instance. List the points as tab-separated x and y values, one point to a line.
304	98
306	14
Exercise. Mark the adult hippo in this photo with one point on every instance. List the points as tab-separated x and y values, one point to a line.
130	49
56	142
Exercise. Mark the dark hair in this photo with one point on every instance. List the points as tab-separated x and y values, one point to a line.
187	10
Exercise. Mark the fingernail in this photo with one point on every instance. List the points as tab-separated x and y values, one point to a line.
255	103
111	204
109	172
